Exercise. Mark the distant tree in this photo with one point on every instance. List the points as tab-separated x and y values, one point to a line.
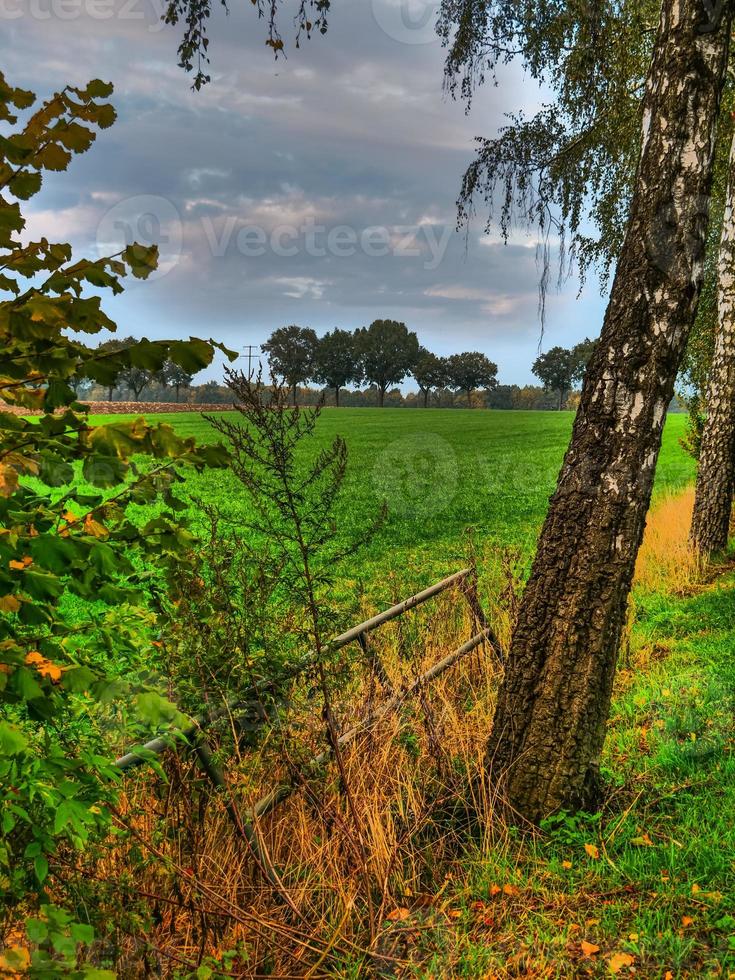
136	379
175	377
559	368
581	353
501	396
212	393
430	372
555	371
114	344
291	352
388	352
337	361
471	370
133	377
81	386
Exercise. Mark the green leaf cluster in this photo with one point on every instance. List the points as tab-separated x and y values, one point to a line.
61	542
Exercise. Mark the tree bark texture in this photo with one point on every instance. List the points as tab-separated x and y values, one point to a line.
549	725
716	472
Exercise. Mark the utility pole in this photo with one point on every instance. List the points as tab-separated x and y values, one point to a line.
250	348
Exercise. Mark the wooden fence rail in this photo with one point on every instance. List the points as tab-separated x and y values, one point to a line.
139	755
246	824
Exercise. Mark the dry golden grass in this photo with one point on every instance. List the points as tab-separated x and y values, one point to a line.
666	562
350	851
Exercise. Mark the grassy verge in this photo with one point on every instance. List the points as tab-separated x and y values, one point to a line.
647	887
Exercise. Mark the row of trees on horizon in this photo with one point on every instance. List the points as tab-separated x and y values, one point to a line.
382	356
387	352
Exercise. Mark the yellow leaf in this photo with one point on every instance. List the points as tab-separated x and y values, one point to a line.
8	481
95	528
9	604
643	841
686	921
454	913
593	850
566	864
589	949
495	890
620	960
695	889
14	961
50	670
46	668
18	566
398	915
510	890
668	975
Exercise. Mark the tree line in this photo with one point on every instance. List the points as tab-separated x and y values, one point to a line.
386	353
382	355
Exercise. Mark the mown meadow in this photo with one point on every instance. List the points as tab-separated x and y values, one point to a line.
645	887
440	473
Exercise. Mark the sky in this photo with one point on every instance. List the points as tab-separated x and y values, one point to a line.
318	189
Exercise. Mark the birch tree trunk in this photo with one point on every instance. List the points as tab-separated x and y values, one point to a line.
549	725
716	472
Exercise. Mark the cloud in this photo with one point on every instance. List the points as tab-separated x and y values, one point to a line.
266	187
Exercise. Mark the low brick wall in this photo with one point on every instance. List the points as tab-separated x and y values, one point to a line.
133	408
149	408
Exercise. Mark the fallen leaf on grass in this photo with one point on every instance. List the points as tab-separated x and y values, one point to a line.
686	920
397	915
643	841
620	960
589	949
566	864
593	850
506	889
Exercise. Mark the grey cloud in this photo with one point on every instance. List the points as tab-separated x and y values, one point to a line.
352	131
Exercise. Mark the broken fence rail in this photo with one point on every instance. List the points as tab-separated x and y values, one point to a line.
139	755
284	790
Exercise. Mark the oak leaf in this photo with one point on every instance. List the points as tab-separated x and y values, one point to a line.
398	915
620	960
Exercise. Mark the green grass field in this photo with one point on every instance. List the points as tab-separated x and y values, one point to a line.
647	888
440	471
